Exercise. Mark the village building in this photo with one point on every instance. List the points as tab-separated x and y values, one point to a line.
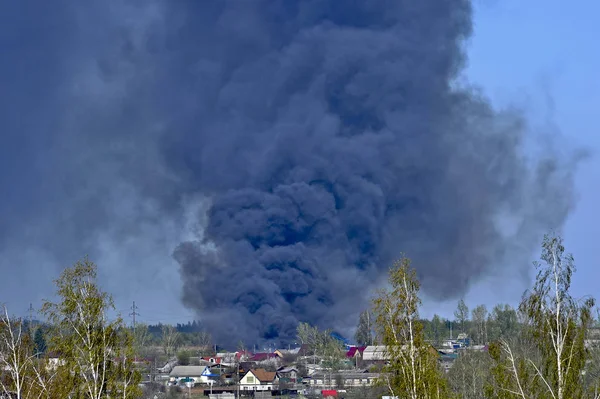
193	374
259	380
347	379
288	374
375	353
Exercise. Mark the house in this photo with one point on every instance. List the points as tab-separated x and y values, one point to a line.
218	368
232	357
375	353
259	380
53	361
346	378
379	353
462	341
287	374
195	374
290	350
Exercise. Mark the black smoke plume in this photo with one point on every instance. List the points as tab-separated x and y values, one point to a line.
322	138
335	136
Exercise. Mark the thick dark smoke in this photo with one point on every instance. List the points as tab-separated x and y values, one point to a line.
323	138
337	137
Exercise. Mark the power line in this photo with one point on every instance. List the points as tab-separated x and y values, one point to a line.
134	313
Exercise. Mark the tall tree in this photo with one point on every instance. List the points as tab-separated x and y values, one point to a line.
203	338
469	374
309	337
412	370
503	322
332	354
307	334
556	325
438	328
364	335
461	314
321	343
94	352
16	359
141	339
40	341
170	339
479	320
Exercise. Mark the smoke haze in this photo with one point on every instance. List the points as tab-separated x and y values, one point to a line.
287	150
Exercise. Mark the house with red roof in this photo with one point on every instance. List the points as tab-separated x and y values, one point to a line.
355	351
213	360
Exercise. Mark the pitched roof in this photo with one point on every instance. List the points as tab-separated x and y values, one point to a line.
352	351
187	371
264	375
285	369
375	352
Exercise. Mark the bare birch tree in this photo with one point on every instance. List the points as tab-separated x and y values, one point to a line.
479	318
556	327
170	339
16	358
461	314
309	337
469	374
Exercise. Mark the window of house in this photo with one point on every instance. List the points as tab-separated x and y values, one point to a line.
250	379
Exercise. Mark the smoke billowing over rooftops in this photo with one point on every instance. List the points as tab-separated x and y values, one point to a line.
338	139
326	139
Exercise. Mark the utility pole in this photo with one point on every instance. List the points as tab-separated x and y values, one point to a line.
134	313
369	326
237	377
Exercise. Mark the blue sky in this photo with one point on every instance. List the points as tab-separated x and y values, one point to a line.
544	57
